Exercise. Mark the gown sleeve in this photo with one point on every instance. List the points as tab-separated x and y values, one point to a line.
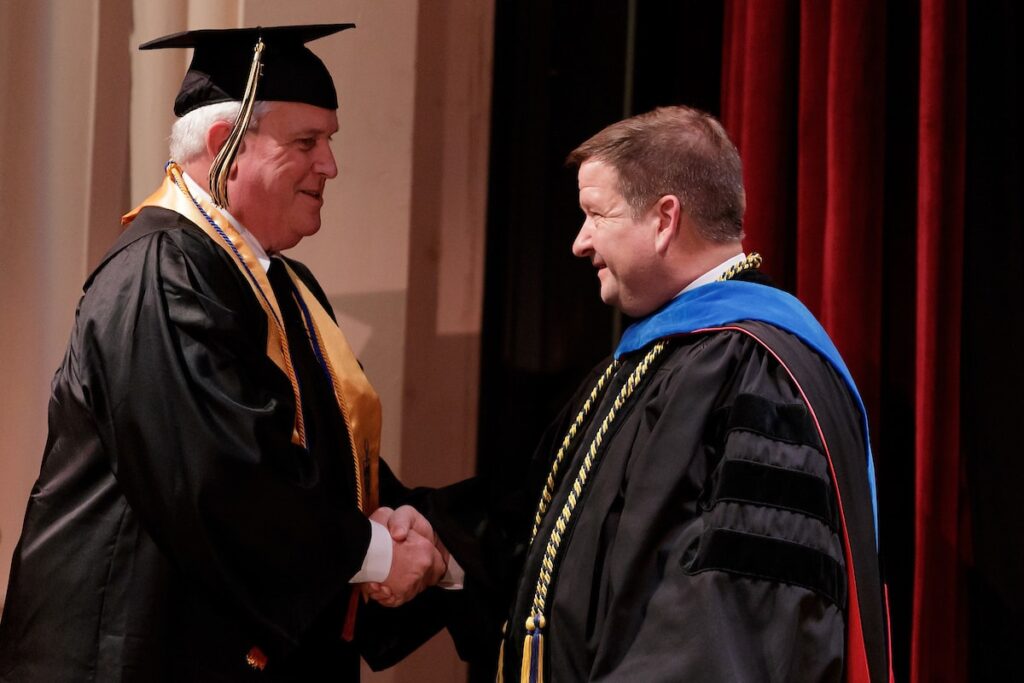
722	559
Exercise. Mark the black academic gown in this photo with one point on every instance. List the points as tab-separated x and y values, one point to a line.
706	545
174	526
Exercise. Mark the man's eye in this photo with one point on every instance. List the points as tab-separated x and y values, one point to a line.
307	143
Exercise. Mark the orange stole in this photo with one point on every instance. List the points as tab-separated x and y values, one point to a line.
357	401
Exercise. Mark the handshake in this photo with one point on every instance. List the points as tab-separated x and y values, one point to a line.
418	558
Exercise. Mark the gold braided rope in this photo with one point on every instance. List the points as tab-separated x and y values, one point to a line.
749	263
570	437
536	619
561	523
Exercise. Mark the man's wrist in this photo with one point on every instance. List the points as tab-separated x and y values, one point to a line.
377	561
454	576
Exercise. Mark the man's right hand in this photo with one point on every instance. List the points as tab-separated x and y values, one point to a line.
415	565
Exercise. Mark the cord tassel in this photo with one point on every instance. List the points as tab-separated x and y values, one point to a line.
221	166
500	677
533	652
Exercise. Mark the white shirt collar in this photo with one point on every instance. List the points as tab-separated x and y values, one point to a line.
250	239
715	273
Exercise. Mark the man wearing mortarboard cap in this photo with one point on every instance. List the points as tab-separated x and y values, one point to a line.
201	512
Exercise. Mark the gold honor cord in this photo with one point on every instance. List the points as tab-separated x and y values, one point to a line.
549	485
570	437
221	166
358	402
532	670
356	398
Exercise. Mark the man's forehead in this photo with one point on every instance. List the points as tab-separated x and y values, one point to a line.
599	184
595	172
298	117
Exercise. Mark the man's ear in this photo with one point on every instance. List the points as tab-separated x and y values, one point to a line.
668	212
216	135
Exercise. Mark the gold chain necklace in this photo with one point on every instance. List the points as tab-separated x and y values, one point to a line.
749	263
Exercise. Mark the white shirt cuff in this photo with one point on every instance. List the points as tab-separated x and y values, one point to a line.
377	563
453	577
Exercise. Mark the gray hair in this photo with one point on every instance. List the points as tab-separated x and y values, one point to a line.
188	134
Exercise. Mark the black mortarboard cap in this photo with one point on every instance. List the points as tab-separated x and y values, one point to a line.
246	65
221	62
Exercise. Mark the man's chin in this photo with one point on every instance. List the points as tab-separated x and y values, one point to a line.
293	238
301	232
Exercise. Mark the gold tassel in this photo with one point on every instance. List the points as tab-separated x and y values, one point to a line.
524	672
500	677
221	166
532	670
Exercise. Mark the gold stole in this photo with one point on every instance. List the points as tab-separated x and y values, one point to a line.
357	401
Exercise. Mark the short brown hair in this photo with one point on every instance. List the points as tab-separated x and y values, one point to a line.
679	151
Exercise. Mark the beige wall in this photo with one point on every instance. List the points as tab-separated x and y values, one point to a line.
83	126
58	121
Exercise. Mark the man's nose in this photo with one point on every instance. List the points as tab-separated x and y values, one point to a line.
582	246
325	163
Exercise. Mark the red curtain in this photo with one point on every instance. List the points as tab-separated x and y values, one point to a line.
937	649
804	96
801	100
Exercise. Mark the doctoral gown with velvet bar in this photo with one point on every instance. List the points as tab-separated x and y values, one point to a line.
174	526
708	543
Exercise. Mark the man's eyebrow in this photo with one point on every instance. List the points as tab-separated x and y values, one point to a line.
313	131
